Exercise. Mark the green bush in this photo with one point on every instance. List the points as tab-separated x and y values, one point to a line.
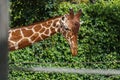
26	12
99	40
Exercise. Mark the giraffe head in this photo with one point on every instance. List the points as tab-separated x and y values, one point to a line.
70	24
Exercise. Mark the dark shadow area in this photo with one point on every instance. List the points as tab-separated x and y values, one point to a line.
3	40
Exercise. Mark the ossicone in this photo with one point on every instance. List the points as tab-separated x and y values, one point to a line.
71	13
78	14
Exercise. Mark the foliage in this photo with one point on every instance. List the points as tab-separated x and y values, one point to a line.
26	12
99	40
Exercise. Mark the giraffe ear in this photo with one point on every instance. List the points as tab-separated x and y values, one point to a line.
78	14
71	13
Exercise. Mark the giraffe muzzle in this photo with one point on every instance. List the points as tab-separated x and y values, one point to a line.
74	51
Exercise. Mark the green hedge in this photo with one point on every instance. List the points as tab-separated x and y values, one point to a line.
99	40
26	12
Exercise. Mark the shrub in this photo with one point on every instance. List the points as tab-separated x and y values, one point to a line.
99	41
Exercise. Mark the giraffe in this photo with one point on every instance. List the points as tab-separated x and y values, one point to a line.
68	25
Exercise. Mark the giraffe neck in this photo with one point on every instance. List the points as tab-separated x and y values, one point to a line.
25	36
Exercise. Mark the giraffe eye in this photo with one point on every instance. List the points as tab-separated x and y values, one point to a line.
63	18
76	24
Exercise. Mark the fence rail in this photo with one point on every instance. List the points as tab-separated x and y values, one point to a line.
100	62
69	70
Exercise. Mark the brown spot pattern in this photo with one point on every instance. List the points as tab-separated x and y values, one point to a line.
42	30
49	22
38	39
47	31
44	36
16	36
52	30
54	23
11	46
44	24
24	43
37	28
48	25
27	33
34	36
